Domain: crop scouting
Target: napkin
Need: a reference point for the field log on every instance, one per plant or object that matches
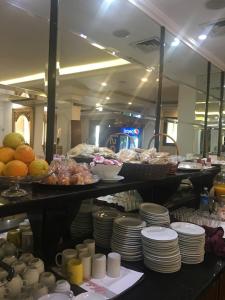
(214, 241)
(110, 287)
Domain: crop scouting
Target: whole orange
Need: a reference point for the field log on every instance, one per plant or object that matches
(6, 154)
(24, 153)
(15, 168)
(2, 167)
(38, 167)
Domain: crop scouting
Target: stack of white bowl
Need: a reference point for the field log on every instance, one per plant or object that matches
(161, 249)
(126, 238)
(154, 214)
(191, 242)
(103, 226)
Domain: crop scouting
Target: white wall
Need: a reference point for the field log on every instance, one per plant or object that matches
(5, 119)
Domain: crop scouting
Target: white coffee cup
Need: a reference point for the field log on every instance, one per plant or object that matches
(19, 266)
(9, 260)
(9, 249)
(86, 262)
(38, 264)
(26, 257)
(65, 255)
(82, 248)
(62, 286)
(113, 264)
(30, 276)
(98, 266)
(14, 286)
(48, 279)
(91, 246)
(3, 274)
(3, 292)
(39, 291)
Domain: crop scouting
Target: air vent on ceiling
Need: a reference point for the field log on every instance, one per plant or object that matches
(147, 45)
(215, 28)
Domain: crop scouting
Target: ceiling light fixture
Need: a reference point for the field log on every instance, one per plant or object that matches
(70, 70)
(104, 84)
(83, 36)
(95, 66)
(129, 103)
(202, 37)
(157, 80)
(149, 70)
(98, 46)
(144, 79)
(107, 98)
(175, 42)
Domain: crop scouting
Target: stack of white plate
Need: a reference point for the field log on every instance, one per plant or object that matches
(154, 214)
(161, 249)
(126, 238)
(103, 226)
(191, 242)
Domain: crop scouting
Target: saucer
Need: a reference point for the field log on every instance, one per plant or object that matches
(114, 179)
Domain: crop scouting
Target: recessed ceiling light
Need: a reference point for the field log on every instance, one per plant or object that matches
(157, 80)
(144, 79)
(129, 103)
(107, 98)
(98, 46)
(149, 70)
(98, 104)
(83, 36)
(202, 37)
(104, 84)
(175, 42)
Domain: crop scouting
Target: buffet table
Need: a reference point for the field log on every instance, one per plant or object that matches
(205, 281)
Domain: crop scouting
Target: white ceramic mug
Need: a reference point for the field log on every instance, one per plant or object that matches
(30, 276)
(113, 264)
(39, 291)
(26, 257)
(86, 262)
(19, 266)
(9, 249)
(91, 246)
(82, 248)
(62, 286)
(9, 260)
(3, 274)
(65, 255)
(38, 264)
(99, 266)
(14, 286)
(48, 279)
(3, 292)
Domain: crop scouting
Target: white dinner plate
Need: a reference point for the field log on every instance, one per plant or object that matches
(89, 296)
(187, 228)
(159, 233)
(58, 296)
(114, 179)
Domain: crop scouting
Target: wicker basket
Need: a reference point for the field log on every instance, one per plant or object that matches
(144, 171)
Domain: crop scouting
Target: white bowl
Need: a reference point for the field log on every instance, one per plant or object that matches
(106, 171)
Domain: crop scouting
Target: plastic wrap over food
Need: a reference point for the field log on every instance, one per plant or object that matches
(67, 172)
(83, 150)
(126, 155)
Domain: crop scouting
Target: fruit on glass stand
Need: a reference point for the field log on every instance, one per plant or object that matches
(24, 153)
(38, 167)
(15, 168)
(6, 154)
(2, 167)
(13, 140)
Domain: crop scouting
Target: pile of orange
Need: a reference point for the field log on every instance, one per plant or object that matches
(18, 158)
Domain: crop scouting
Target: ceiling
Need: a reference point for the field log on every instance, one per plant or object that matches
(24, 51)
(189, 19)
